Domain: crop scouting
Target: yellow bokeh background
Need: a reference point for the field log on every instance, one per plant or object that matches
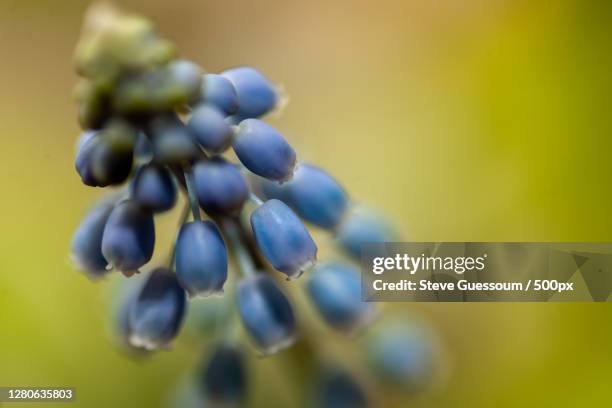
(461, 119)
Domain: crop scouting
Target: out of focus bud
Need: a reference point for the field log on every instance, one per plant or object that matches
(210, 129)
(224, 379)
(158, 311)
(143, 149)
(360, 227)
(106, 158)
(312, 193)
(184, 81)
(86, 249)
(124, 298)
(113, 42)
(402, 354)
(172, 142)
(129, 237)
(152, 187)
(337, 389)
(266, 313)
(219, 92)
(335, 290)
(94, 104)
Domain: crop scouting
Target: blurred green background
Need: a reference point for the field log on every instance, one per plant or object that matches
(463, 120)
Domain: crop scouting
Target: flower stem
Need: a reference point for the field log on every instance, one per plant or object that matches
(255, 199)
(243, 259)
(182, 220)
(193, 200)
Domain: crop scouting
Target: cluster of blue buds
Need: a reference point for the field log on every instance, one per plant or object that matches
(157, 128)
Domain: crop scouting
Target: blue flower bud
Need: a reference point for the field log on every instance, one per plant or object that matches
(363, 227)
(172, 142)
(313, 194)
(201, 258)
(335, 290)
(124, 299)
(337, 389)
(143, 150)
(282, 238)
(87, 144)
(85, 137)
(220, 187)
(266, 313)
(158, 311)
(129, 237)
(218, 91)
(402, 354)
(105, 158)
(256, 95)
(186, 77)
(153, 187)
(210, 129)
(87, 242)
(224, 379)
(264, 151)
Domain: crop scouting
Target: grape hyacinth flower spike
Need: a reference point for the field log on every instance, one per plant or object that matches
(158, 128)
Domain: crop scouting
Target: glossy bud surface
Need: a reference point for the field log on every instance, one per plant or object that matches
(264, 151)
(282, 238)
(201, 258)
